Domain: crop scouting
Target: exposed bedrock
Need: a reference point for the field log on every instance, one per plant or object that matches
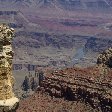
(97, 94)
(98, 44)
(105, 58)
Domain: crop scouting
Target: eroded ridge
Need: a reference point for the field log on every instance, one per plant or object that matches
(85, 85)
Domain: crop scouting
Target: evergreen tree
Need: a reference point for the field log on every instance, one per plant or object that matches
(26, 84)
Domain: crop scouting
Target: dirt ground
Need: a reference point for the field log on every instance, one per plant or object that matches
(41, 102)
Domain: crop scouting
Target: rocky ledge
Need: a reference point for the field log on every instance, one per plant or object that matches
(74, 86)
(105, 58)
(85, 85)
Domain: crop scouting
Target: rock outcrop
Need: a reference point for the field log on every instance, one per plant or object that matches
(78, 86)
(84, 85)
(8, 101)
(98, 45)
(105, 58)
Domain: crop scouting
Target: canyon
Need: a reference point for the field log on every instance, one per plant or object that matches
(43, 28)
(81, 89)
(65, 37)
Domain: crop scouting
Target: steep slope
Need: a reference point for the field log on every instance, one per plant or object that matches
(84, 4)
(51, 23)
(62, 4)
(70, 89)
(97, 45)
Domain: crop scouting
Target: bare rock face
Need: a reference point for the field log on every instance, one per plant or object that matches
(7, 98)
(84, 85)
(105, 58)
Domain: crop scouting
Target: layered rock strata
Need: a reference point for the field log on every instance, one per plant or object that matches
(83, 85)
(8, 101)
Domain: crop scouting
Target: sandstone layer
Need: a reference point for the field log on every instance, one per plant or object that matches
(7, 97)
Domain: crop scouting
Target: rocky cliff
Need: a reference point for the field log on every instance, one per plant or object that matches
(8, 101)
(56, 48)
(84, 88)
(105, 59)
(85, 85)
(60, 4)
(98, 44)
(45, 26)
